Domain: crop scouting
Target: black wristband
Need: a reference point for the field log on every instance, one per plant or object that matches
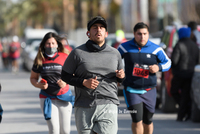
(120, 80)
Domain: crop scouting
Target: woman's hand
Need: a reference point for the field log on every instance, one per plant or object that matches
(61, 83)
(43, 86)
(34, 81)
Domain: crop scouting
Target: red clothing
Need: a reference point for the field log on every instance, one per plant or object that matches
(68, 47)
(4, 55)
(5, 51)
(1, 48)
(14, 53)
(118, 43)
(51, 71)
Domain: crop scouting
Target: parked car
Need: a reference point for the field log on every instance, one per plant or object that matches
(168, 41)
(111, 39)
(29, 53)
(32, 34)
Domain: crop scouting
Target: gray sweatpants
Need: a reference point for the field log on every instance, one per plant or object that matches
(101, 119)
(60, 116)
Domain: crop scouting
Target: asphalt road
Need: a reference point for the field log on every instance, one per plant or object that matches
(22, 114)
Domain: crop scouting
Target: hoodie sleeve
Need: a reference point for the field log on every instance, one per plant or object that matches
(164, 61)
(175, 55)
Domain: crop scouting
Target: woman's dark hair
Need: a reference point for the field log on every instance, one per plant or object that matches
(140, 25)
(48, 36)
(192, 25)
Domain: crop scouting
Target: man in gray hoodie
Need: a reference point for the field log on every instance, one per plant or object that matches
(95, 68)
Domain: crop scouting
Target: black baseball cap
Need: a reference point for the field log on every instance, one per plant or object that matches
(97, 19)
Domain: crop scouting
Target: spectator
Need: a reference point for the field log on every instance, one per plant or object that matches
(5, 53)
(194, 31)
(55, 95)
(185, 56)
(1, 48)
(66, 44)
(94, 68)
(14, 53)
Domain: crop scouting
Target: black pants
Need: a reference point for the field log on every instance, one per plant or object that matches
(180, 91)
(1, 110)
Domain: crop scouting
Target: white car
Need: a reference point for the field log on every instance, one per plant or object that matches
(32, 34)
(29, 53)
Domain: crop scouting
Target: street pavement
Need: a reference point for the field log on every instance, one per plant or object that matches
(22, 113)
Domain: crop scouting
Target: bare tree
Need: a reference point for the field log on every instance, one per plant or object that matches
(189, 11)
(114, 17)
(153, 16)
(68, 15)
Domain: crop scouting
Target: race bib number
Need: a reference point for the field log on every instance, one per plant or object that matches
(141, 71)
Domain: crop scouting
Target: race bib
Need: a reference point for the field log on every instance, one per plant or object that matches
(141, 70)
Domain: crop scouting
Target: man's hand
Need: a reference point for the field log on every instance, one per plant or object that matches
(153, 68)
(120, 73)
(91, 83)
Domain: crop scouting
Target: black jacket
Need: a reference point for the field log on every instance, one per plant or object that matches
(185, 56)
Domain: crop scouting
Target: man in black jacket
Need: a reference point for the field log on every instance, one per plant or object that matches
(185, 56)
